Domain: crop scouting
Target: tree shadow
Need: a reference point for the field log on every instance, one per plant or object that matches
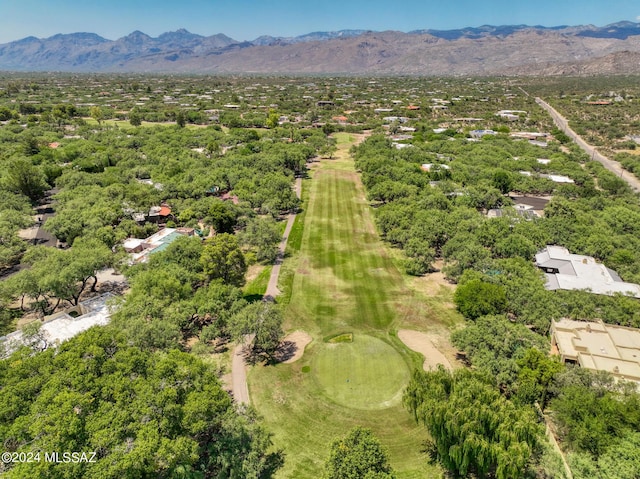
(285, 352)
(252, 298)
(253, 356)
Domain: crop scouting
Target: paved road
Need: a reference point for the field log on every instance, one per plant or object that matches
(238, 367)
(272, 287)
(613, 166)
(239, 385)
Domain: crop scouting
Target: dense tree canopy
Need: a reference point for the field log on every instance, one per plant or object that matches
(474, 428)
(144, 414)
(222, 259)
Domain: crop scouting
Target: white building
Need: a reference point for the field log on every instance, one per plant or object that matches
(577, 272)
(59, 327)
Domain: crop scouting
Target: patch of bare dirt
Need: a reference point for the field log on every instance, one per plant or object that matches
(423, 343)
(253, 271)
(432, 283)
(292, 347)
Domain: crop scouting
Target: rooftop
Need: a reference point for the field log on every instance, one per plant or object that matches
(577, 272)
(599, 346)
(59, 327)
(140, 249)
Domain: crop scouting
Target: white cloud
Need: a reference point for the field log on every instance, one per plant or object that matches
(638, 18)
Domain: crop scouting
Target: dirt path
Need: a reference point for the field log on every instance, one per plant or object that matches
(422, 343)
(613, 166)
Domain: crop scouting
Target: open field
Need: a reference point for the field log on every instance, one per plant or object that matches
(342, 279)
(125, 124)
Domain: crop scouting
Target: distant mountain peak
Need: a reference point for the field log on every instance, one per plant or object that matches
(433, 52)
(137, 34)
(180, 33)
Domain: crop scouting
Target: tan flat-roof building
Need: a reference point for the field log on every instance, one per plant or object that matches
(599, 346)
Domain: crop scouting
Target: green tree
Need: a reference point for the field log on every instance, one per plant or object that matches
(272, 119)
(263, 236)
(97, 114)
(358, 455)
(135, 119)
(145, 414)
(62, 274)
(181, 119)
(22, 177)
(477, 298)
(502, 181)
(222, 216)
(474, 428)
(515, 245)
(222, 259)
(592, 411)
(537, 371)
(420, 257)
(31, 145)
(264, 322)
(495, 345)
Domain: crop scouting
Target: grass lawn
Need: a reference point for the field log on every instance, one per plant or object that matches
(125, 124)
(366, 373)
(341, 279)
(255, 289)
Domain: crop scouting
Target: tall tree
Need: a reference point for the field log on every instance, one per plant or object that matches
(477, 298)
(474, 428)
(22, 176)
(145, 414)
(97, 114)
(263, 236)
(222, 259)
(262, 321)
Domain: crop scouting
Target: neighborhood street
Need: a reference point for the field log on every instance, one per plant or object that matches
(613, 166)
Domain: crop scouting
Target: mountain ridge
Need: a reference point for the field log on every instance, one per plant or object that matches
(487, 49)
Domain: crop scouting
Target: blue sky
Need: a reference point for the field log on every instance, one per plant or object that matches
(248, 19)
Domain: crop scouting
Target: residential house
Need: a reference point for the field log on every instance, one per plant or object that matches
(598, 346)
(481, 133)
(140, 249)
(59, 327)
(567, 271)
(159, 214)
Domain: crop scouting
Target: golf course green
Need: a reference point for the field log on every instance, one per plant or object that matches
(366, 373)
(339, 281)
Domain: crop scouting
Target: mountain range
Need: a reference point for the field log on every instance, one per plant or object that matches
(485, 50)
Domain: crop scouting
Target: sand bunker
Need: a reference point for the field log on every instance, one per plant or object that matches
(294, 345)
(421, 343)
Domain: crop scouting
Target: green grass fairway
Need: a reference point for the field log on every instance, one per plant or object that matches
(125, 124)
(340, 278)
(364, 374)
